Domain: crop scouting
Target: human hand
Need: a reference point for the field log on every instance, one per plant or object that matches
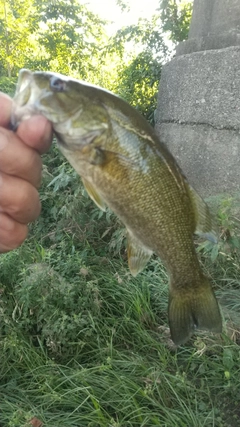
(20, 174)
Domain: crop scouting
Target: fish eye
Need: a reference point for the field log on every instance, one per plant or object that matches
(57, 84)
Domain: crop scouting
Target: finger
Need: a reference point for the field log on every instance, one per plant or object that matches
(12, 233)
(19, 199)
(5, 109)
(36, 132)
(17, 159)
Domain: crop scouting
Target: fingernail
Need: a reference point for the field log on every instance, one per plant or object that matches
(3, 141)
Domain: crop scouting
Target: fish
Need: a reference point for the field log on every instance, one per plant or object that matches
(124, 166)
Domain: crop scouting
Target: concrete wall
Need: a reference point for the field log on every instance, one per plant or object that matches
(198, 114)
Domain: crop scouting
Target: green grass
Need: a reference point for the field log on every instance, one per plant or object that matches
(84, 344)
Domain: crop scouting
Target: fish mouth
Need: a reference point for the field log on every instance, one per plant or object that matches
(24, 100)
(36, 93)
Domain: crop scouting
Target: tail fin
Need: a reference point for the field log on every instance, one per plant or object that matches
(191, 308)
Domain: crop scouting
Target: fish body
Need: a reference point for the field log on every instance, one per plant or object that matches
(124, 166)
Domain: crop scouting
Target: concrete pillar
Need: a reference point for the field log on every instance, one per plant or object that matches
(198, 114)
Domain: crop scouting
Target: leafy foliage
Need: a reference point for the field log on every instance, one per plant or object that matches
(140, 82)
(71, 35)
(176, 16)
(64, 36)
(139, 78)
(60, 35)
(8, 85)
(17, 23)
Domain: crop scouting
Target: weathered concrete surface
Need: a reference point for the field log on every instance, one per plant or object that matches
(198, 114)
(215, 24)
(212, 41)
(203, 87)
(206, 167)
(214, 16)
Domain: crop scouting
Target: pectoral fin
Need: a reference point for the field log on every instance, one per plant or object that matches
(94, 195)
(138, 255)
(204, 222)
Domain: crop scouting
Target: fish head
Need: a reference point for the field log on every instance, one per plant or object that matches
(77, 115)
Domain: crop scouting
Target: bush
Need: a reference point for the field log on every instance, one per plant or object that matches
(8, 85)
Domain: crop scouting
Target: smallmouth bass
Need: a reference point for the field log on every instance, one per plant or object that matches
(124, 165)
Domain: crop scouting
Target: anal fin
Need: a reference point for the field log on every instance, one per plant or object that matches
(204, 222)
(138, 255)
